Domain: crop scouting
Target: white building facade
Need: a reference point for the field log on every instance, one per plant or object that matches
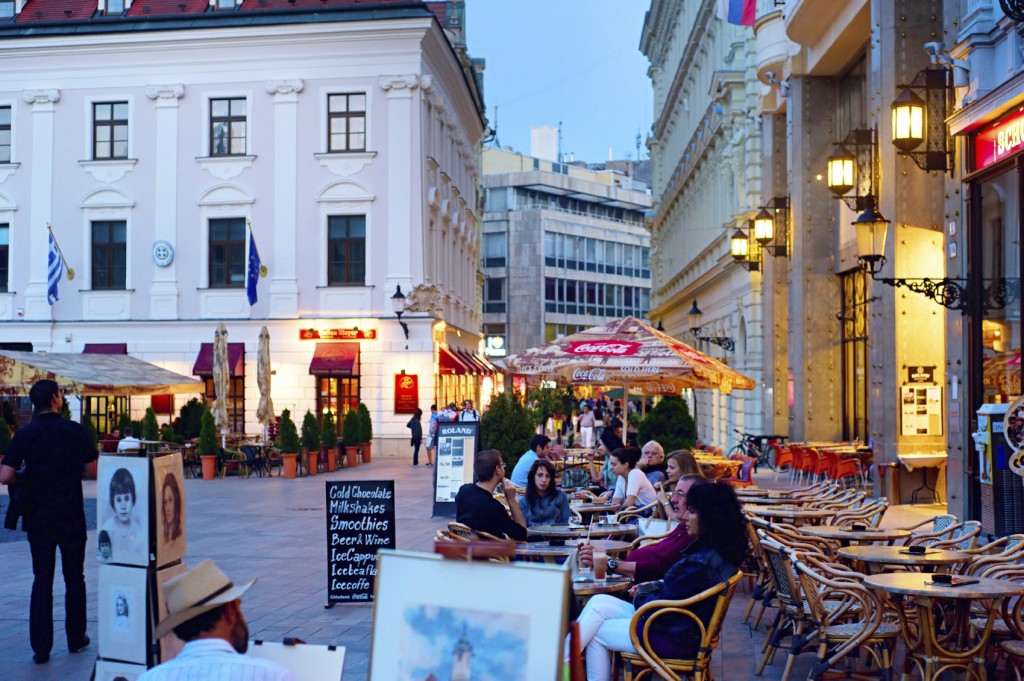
(344, 142)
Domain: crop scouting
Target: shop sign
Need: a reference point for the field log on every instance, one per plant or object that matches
(494, 346)
(610, 348)
(338, 334)
(407, 393)
(360, 521)
(999, 140)
(919, 374)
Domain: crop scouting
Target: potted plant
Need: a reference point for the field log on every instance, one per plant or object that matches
(328, 438)
(288, 443)
(150, 428)
(350, 431)
(207, 447)
(365, 432)
(310, 442)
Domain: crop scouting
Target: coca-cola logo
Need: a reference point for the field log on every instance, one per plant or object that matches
(589, 375)
(604, 347)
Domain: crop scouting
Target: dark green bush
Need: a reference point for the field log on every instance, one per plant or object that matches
(310, 432)
(208, 435)
(191, 419)
(351, 429)
(365, 424)
(507, 426)
(328, 431)
(287, 434)
(670, 424)
(150, 428)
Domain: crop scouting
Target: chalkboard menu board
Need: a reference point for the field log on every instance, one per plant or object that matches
(457, 445)
(360, 520)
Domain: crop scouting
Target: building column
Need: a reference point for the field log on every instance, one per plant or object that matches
(284, 286)
(163, 295)
(40, 202)
(400, 186)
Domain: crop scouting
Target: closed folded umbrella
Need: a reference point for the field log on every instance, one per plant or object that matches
(221, 378)
(265, 410)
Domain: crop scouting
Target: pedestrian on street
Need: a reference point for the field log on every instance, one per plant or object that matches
(432, 435)
(468, 413)
(417, 435)
(54, 452)
(204, 609)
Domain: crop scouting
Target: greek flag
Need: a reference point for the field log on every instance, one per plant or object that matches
(252, 276)
(55, 271)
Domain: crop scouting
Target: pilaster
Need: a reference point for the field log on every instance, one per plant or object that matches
(284, 287)
(399, 91)
(163, 295)
(40, 202)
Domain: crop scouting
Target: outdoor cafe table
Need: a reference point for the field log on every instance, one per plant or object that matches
(547, 553)
(770, 501)
(958, 644)
(899, 555)
(586, 510)
(756, 492)
(792, 514)
(846, 535)
(715, 467)
(596, 531)
(584, 585)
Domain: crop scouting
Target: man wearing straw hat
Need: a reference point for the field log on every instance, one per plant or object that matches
(204, 610)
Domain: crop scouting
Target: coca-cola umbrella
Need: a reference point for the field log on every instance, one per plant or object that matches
(628, 353)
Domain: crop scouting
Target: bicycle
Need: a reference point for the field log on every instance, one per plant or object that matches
(759, 447)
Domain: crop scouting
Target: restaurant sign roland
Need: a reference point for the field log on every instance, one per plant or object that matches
(360, 521)
(338, 334)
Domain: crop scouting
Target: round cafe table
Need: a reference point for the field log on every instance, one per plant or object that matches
(596, 531)
(588, 510)
(774, 501)
(899, 555)
(792, 514)
(544, 552)
(753, 492)
(584, 585)
(846, 535)
(958, 644)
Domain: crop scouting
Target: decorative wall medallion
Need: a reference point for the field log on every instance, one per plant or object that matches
(163, 253)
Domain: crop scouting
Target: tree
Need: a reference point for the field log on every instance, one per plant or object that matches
(150, 428)
(168, 434)
(365, 424)
(65, 410)
(328, 430)
(551, 401)
(506, 426)
(351, 429)
(208, 435)
(288, 435)
(310, 432)
(5, 436)
(670, 424)
(125, 422)
(191, 419)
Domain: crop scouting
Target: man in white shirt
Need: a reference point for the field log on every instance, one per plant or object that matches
(468, 413)
(204, 610)
(128, 441)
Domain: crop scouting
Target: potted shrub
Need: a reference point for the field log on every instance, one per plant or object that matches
(365, 432)
(507, 426)
(150, 428)
(207, 448)
(350, 432)
(288, 442)
(670, 423)
(328, 439)
(310, 442)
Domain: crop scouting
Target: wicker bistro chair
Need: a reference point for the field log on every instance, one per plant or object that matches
(632, 515)
(987, 558)
(794, 617)
(869, 514)
(647, 664)
(1012, 647)
(941, 528)
(848, 618)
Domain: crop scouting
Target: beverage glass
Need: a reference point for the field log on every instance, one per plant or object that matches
(600, 563)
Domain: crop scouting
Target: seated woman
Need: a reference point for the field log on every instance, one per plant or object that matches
(713, 516)
(543, 504)
(679, 463)
(632, 488)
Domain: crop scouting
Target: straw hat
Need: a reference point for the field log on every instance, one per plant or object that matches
(197, 591)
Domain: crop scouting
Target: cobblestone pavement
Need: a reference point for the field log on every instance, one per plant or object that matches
(274, 529)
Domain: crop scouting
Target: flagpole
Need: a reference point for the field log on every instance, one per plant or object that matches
(252, 235)
(71, 272)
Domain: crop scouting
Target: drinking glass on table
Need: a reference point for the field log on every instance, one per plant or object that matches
(600, 562)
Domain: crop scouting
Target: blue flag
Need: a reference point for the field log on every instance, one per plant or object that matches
(54, 272)
(252, 275)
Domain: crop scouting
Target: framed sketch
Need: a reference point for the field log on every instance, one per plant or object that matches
(443, 616)
(170, 645)
(123, 613)
(122, 507)
(169, 512)
(306, 662)
(118, 671)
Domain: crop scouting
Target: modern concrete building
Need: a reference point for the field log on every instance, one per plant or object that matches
(564, 248)
(157, 137)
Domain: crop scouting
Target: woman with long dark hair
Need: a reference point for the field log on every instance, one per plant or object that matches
(713, 516)
(543, 503)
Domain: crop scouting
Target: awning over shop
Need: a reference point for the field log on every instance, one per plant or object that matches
(481, 367)
(335, 360)
(97, 374)
(450, 363)
(204, 361)
(105, 349)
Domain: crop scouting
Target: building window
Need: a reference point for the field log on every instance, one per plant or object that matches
(5, 246)
(494, 295)
(110, 130)
(227, 253)
(105, 412)
(236, 401)
(224, 4)
(227, 126)
(5, 130)
(109, 254)
(495, 249)
(346, 249)
(854, 315)
(339, 396)
(6, 9)
(115, 7)
(346, 122)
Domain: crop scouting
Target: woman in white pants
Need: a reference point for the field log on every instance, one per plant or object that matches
(586, 425)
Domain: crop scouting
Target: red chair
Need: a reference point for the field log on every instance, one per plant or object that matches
(803, 461)
(820, 464)
(745, 476)
(783, 457)
(840, 468)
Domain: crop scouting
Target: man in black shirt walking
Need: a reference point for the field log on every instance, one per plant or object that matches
(54, 452)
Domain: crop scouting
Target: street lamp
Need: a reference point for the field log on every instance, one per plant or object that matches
(840, 171)
(871, 229)
(695, 316)
(918, 117)
(764, 227)
(739, 246)
(398, 305)
(908, 121)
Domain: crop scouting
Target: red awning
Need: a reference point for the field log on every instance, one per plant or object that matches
(105, 349)
(204, 361)
(472, 359)
(488, 367)
(335, 359)
(450, 363)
